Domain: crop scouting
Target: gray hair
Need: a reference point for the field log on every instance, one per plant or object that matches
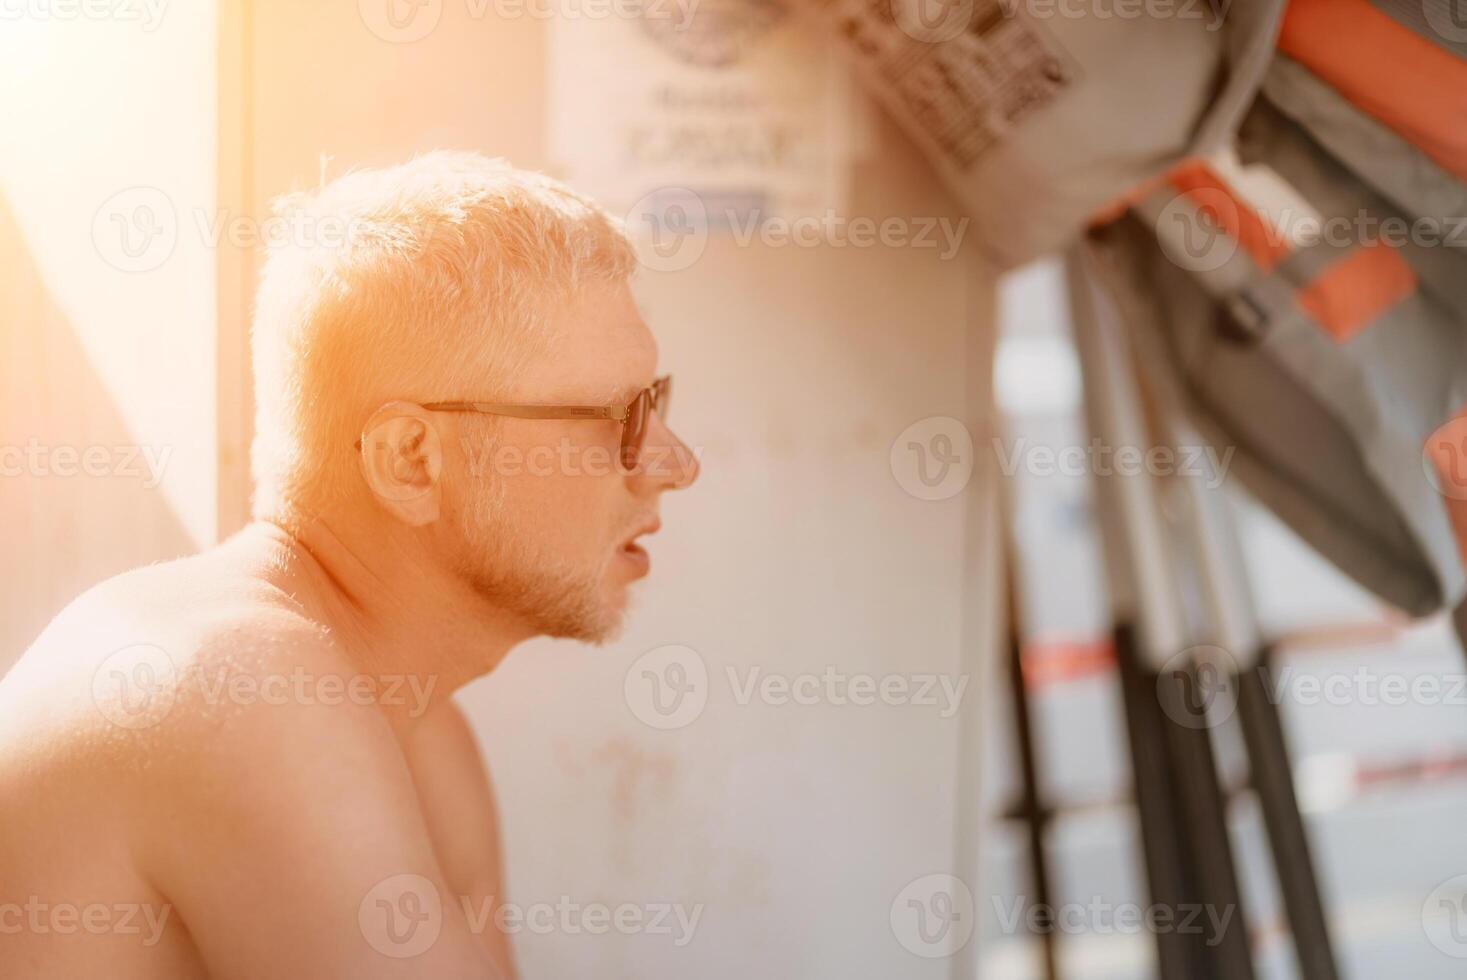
(407, 282)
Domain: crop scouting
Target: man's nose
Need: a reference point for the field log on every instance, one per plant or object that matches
(667, 461)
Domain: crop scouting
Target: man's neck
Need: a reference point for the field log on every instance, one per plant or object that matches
(403, 623)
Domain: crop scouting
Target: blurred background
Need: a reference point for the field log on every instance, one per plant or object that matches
(855, 379)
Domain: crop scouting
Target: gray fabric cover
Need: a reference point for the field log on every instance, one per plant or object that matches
(1329, 434)
(1048, 164)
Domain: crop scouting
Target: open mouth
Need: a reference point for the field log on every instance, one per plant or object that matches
(634, 554)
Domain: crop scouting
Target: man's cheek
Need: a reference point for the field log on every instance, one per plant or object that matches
(567, 511)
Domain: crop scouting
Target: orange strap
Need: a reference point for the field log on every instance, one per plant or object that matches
(1343, 299)
(1391, 73)
(1267, 246)
(1355, 289)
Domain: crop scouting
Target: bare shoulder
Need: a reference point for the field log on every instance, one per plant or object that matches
(151, 657)
(174, 683)
(248, 788)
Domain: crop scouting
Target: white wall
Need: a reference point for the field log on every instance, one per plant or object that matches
(107, 124)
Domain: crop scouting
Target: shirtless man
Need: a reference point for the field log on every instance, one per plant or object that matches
(247, 763)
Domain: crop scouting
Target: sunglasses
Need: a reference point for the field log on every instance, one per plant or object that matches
(633, 416)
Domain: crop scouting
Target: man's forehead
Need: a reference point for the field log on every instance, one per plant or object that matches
(606, 353)
(618, 374)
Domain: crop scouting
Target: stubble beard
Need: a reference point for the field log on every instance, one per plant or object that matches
(553, 597)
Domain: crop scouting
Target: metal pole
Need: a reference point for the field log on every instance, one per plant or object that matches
(1031, 806)
(1288, 840)
(1234, 617)
(1132, 561)
(1195, 869)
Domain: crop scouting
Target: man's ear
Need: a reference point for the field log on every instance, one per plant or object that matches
(402, 458)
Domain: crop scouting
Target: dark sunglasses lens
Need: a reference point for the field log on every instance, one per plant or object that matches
(634, 430)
